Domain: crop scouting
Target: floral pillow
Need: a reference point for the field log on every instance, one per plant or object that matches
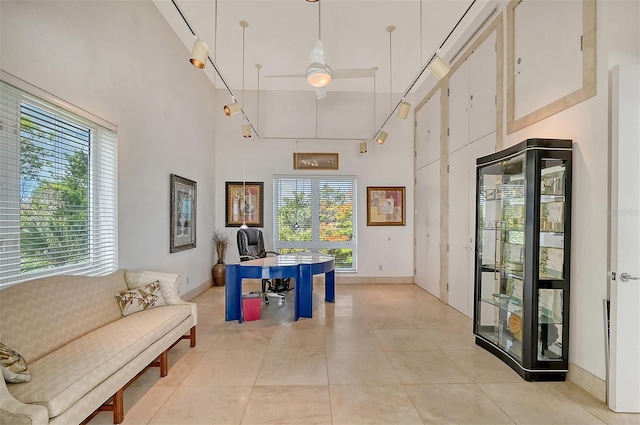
(13, 365)
(140, 299)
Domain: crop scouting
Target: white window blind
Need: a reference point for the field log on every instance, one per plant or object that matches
(316, 213)
(58, 190)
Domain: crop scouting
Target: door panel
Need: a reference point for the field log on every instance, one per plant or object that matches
(459, 108)
(459, 279)
(433, 228)
(421, 218)
(624, 372)
(482, 88)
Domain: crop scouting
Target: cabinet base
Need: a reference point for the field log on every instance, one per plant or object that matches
(527, 375)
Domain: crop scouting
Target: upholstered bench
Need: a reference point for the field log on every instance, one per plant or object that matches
(80, 350)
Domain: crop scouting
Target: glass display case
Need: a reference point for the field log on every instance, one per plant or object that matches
(521, 304)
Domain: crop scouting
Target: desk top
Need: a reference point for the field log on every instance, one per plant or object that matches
(289, 259)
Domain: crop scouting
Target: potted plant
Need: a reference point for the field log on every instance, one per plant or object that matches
(220, 242)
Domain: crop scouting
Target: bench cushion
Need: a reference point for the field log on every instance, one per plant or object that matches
(61, 378)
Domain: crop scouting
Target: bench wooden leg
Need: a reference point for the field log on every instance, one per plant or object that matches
(192, 337)
(162, 362)
(118, 406)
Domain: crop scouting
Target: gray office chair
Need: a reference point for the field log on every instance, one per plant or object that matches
(251, 247)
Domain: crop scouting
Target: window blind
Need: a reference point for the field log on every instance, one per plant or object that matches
(316, 213)
(58, 190)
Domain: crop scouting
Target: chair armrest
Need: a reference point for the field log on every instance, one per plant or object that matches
(14, 412)
(273, 253)
(169, 285)
(247, 257)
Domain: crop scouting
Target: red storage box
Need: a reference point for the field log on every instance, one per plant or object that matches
(251, 306)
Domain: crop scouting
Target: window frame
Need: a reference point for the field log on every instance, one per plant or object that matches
(316, 244)
(102, 231)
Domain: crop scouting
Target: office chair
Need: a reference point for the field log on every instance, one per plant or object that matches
(251, 247)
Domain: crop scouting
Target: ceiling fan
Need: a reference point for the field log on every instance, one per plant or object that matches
(319, 74)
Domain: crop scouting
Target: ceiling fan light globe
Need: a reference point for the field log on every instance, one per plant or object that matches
(319, 75)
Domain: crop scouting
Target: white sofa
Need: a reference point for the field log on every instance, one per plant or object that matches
(80, 351)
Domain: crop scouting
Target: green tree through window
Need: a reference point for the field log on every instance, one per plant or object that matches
(54, 190)
(316, 214)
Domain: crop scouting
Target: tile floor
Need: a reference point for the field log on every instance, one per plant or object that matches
(382, 354)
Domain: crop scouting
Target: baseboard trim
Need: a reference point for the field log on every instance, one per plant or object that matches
(588, 382)
(188, 296)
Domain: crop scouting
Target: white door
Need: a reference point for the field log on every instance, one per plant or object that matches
(624, 370)
(433, 228)
(459, 255)
(420, 229)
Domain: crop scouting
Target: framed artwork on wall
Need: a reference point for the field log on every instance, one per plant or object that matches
(315, 161)
(385, 206)
(244, 204)
(182, 227)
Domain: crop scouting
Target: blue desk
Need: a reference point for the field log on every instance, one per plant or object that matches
(299, 266)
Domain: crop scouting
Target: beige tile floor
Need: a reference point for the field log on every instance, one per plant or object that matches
(382, 354)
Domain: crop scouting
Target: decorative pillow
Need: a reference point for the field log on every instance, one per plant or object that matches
(140, 299)
(13, 365)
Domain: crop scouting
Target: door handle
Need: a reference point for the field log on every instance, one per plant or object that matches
(625, 277)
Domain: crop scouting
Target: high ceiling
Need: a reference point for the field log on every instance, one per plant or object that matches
(353, 33)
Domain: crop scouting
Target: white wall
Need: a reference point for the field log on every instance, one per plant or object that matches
(587, 124)
(122, 62)
(382, 165)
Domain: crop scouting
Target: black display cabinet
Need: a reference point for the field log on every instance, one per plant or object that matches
(523, 241)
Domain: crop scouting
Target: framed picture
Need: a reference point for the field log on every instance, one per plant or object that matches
(244, 204)
(182, 227)
(385, 206)
(315, 161)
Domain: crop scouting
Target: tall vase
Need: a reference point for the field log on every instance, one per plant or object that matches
(219, 272)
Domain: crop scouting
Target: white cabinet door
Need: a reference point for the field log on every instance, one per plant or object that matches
(459, 108)
(543, 74)
(459, 231)
(482, 89)
(433, 228)
(420, 252)
(428, 132)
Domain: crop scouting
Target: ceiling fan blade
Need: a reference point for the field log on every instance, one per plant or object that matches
(317, 51)
(284, 76)
(353, 73)
(320, 92)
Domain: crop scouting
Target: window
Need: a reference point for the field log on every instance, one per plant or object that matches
(316, 214)
(57, 190)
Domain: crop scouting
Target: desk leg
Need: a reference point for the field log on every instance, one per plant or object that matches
(330, 286)
(233, 293)
(304, 297)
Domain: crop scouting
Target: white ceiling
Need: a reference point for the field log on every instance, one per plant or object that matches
(353, 33)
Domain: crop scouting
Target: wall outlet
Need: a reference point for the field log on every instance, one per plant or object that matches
(380, 267)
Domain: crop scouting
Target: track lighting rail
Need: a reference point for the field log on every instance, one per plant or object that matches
(184, 18)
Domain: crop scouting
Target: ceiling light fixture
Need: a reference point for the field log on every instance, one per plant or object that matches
(426, 66)
(382, 137)
(403, 110)
(363, 146)
(319, 75)
(199, 54)
(438, 67)
(232, 108)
